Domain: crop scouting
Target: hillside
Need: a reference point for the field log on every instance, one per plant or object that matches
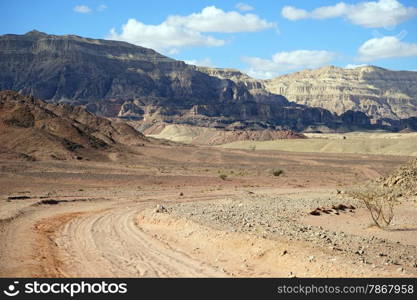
(211, 136)
(31, 129)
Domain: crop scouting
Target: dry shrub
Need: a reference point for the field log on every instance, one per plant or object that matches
(223, 176)
(379, 200)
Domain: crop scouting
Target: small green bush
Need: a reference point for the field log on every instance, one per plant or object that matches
(223, 176)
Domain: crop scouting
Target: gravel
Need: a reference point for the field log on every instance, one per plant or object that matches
(277, 217)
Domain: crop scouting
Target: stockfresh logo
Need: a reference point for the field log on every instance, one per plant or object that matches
(12, 290)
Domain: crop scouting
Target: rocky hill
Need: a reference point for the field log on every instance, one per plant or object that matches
(117, 79)
(378, 92)
(404, 178)
(32, 129)
(211, 136)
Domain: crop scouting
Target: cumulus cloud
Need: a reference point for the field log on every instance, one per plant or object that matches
(385, 47)
(102, 7)
(243, 6)
(372, 14)
(293, 13)
(162, 37)
(82, 9)
(287, 61)
(186, 31)
(213, 19)
(205, 62)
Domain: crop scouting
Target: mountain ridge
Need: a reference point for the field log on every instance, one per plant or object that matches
(117, 79)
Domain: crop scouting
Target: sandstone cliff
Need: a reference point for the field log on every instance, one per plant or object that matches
(377, 92)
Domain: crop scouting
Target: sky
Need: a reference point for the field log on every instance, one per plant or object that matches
(264, 38)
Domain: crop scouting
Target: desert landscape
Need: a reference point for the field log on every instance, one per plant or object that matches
(118, 161)
(147, 207)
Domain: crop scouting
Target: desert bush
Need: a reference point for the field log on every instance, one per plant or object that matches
(277, 172)
(223, 176)
(379, 200)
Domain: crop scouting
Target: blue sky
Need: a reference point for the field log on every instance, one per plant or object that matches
(264, 38)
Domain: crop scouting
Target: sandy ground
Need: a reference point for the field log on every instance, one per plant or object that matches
(92, 219)
(356, 143)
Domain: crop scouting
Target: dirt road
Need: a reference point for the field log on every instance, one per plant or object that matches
(109, 244)
(83, 219)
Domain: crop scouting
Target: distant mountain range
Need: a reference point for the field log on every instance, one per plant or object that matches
(377, 92)
(117, 79)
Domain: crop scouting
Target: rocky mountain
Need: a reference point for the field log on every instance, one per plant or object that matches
(117, 79)
(377, 92)
(33, 129)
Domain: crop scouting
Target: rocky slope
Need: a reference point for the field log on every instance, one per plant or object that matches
(404, 178)
(117, 79)
(32, 129)
(377, 92)
(211, 136)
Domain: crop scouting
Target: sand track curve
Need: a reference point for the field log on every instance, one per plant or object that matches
(110, 243)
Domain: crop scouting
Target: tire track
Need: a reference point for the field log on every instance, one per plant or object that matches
(110, 244)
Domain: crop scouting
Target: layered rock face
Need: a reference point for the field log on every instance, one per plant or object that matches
(117, 79)
(375, 91)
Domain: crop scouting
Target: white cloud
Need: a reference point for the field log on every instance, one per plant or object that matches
(205, 62)
(293, 13)
(186, 31)
(162, 37)
(243, 6)
(385, 47)
(287, 61)
(82, 9)
(353, 66)
(372, 14)
(102, 7)
(213, 19)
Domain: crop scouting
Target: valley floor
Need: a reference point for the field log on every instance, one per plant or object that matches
(224, 214)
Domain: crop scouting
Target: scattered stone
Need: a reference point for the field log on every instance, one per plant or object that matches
(315, 212)
(18, 197)
(360, 252)
(160, 209)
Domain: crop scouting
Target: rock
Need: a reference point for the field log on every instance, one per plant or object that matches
(340, 90)
(160, 209)
(315, 212)
(360, 252)
(341, 207)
